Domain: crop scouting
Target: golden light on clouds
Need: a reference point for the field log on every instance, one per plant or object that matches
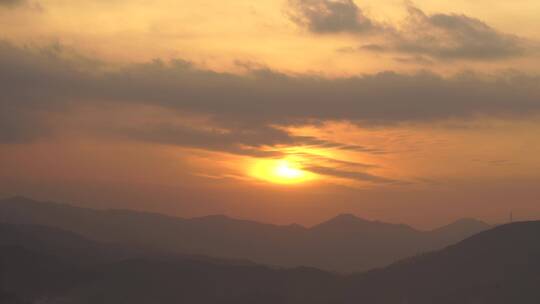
(366, 100)
(286, 171)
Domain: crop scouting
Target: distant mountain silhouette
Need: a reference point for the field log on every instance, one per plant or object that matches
(498, 266)
(345, 243)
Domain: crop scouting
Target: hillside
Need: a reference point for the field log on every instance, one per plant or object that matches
(498, 266)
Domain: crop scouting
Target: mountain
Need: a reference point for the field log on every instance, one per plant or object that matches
(501, 265)
(58, 276)
(345, 243)
(350, 243)
(498, 266)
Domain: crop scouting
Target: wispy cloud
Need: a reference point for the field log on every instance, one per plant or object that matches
(351, 175)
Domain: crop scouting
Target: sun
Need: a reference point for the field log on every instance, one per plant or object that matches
(282, 171)
(286, 171)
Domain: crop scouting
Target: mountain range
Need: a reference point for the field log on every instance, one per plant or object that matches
(51, 266)
(345, 243)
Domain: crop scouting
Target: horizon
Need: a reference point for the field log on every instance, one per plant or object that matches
(229, 217)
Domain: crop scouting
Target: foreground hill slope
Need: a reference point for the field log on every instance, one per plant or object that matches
(501, 265)
(345, 243)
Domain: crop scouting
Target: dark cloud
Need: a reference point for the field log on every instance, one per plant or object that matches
(20, 125)
(415, 59)
(330, 16)
(450, 36)
(12, 3)
(351, 175)
(256, 142)
(260, 141)
(324, 161)
(438, 36)
(247, 112)
(315, 142)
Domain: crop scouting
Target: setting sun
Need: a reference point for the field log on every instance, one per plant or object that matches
(283, 171)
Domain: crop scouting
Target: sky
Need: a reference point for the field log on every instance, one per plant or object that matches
(282, 111)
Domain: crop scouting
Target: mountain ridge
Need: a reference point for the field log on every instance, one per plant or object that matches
(337, 217)
(344, 243)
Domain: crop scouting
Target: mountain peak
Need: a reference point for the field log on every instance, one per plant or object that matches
(350, 223)
(348, 218)
(296, 226)
(343, 220)
(469, 220)
(466, 223)
(217, 217)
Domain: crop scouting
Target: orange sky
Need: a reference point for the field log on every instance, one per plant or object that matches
(278, 111)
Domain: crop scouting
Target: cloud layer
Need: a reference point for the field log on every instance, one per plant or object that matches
(437, 36)
(47, 92)
(37, 83)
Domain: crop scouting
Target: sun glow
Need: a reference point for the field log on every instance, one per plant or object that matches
(282, 171)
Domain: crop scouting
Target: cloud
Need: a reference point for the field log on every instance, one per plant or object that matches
(260, 141)
(351, 175)
(41, 87)
(437, 36)
(20, 125)
(12, 3)
(330, 16)
(449, 36)
(320, 143)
